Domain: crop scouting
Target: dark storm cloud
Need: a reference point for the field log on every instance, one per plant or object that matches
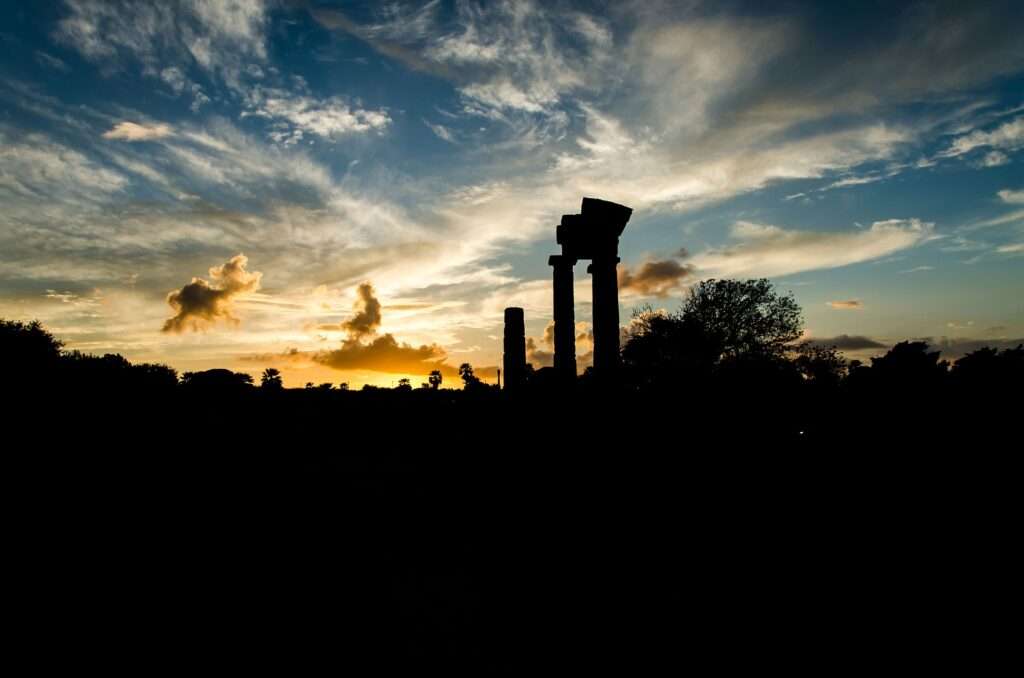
(202, 302)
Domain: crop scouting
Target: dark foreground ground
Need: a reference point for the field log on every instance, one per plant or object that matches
(399, 534)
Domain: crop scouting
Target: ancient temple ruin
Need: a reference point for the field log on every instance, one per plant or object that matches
(592, 234)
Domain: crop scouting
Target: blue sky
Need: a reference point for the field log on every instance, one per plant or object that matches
(866, 156)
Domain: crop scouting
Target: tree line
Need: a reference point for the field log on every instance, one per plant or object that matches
(725, 334)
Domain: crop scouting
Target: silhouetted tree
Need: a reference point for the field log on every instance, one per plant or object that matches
(30, 352)
(989, 368)
(154, 376)
(115, 374)
(733, 328)
(909, 363)
(743, 317)
(435, 379)
(819, 365)
(325, 386)
(469, 380)
(343, 386)
(271, 379)
(404, 385)
(217, 379)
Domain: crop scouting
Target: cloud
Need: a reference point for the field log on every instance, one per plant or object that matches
(654, 278)
(441, 132)
(179, 83)
(131, 131)
(513, 59)
(994, 159)
(767, 250)
(290, 355)
(38, 177)
(222, 37)
(326, 118)
(1008, 137)
(505, 58)
(537, 356)
(200, 302)
(852, 181)
(849, 342)
(540, 353)
(849, 304)
(919, 269)
(386, 354)
(367, 317)
(1002, 220)
(1011, 197)
(394, 35)
(383, 353)
(1012, 248)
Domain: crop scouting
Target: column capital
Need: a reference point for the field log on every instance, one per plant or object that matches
(561, 260)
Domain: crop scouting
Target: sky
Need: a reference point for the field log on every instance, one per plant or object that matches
(354, 191)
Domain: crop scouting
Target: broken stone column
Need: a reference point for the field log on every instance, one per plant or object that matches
(605, 222)
(565, 318)
(514, 359)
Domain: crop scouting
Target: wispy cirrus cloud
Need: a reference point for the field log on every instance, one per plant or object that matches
(767, 250)
(38, 169)
(1008, 136)
(218, 36)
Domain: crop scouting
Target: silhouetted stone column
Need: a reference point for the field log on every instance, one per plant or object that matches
(606, 313)
(565, 319)
(515, 348)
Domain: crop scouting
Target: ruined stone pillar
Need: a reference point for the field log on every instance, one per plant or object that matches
(515, 348)
(606, 312)
(565, 319)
